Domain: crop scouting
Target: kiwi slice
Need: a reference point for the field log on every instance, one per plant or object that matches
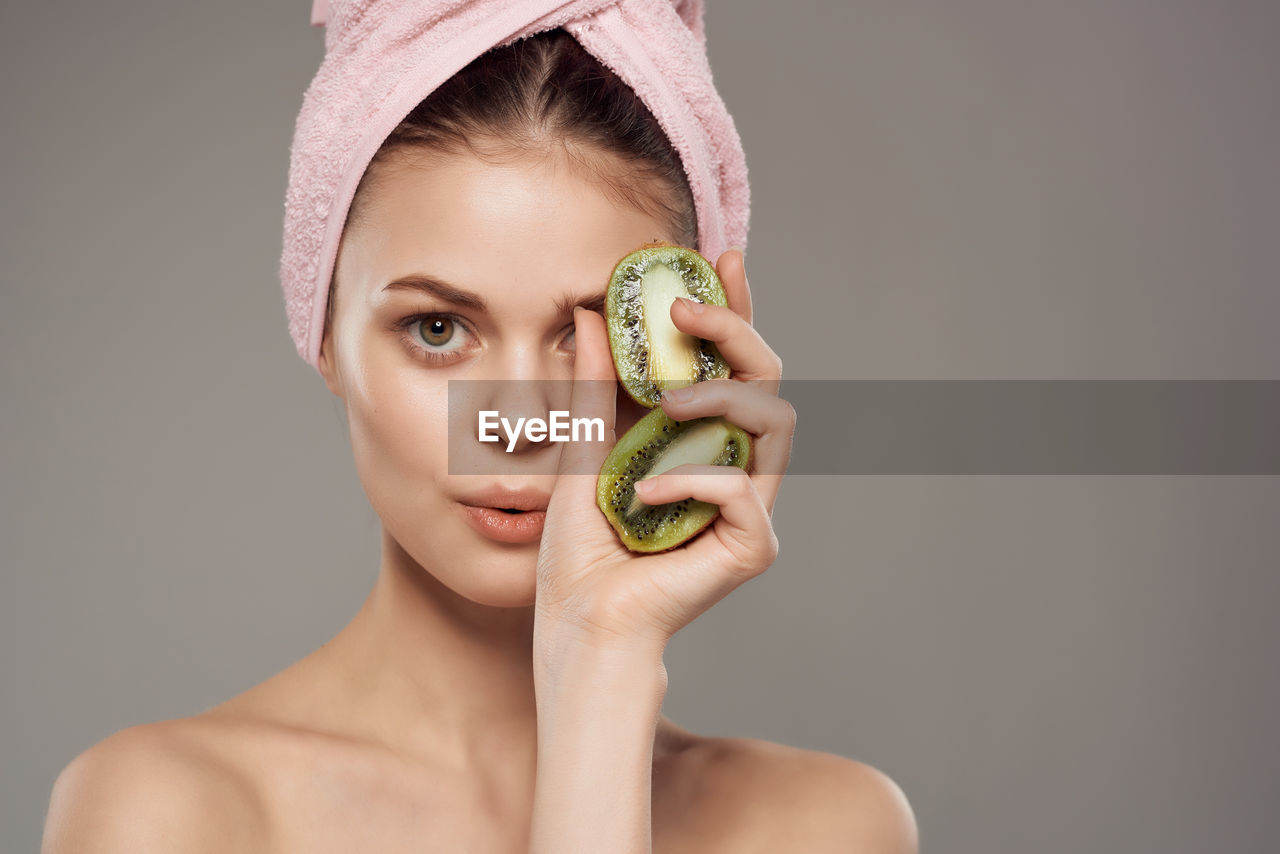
(649, 352)
(656, 444)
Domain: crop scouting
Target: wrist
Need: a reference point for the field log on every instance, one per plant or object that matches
(566, 658)
(598, 711)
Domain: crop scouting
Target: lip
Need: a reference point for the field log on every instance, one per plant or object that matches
(499, 497)
(483, 512)
(523, 527)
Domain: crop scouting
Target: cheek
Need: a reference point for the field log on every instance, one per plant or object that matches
(399, 434)
(397, 414)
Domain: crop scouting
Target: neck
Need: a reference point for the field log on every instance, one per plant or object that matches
(433, 674)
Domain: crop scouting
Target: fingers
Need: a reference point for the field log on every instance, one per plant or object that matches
(744, 528)
(732, 270)
(593, 396)
(749, 357)
(751, 406)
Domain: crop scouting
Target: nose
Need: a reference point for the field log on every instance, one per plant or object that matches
(502, 423)
(523, 409)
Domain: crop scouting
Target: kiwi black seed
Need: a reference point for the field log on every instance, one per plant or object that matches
(649, 352)
(656, 444)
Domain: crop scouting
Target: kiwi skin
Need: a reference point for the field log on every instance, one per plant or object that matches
(630, 354)
(676, 522)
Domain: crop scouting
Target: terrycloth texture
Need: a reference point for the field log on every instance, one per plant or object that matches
(384, 56)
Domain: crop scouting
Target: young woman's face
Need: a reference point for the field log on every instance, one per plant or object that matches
(509, 251)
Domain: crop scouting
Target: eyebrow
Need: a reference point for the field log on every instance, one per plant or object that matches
(566, 305)
(439, 288)
(458, 296)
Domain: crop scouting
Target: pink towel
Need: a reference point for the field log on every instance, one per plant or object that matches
(384, 56)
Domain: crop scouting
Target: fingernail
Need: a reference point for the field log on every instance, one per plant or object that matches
(643, 486)
(678, 395)
(693, 305)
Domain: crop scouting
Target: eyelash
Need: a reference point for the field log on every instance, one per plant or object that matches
(433, 357)
(425, 354)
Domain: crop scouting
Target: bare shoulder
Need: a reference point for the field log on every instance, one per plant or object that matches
(796, 799)
(151, 787)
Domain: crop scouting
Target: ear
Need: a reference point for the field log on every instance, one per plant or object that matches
(329, 365)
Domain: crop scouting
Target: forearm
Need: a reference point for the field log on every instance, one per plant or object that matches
(597, 715)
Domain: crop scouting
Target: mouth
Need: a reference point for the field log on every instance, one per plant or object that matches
(505, 514)
(510, 511)
(505, 524)
(507, 500)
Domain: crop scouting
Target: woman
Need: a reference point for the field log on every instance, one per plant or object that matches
(501, 687)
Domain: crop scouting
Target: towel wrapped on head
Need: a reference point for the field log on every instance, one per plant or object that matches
(382, 57)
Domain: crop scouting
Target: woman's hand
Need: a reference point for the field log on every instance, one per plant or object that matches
(589, 586)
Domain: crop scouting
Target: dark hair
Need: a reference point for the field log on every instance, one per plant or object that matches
(538, 95)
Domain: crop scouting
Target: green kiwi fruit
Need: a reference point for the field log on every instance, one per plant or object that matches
(649, 352)
(655, 444)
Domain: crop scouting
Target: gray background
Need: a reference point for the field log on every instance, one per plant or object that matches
(942, 190)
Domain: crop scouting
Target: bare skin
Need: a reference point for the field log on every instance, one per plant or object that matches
(415, 728)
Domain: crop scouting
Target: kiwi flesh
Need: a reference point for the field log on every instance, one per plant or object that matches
(657, 444)
(650, 354)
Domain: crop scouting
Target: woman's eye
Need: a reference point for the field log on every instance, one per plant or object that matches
(439, 333)
(570, 342)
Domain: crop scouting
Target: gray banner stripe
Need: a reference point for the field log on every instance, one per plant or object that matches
(1118, 427)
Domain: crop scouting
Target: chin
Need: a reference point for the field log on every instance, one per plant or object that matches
(500, 581)
(498, 575)
(494, 575)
